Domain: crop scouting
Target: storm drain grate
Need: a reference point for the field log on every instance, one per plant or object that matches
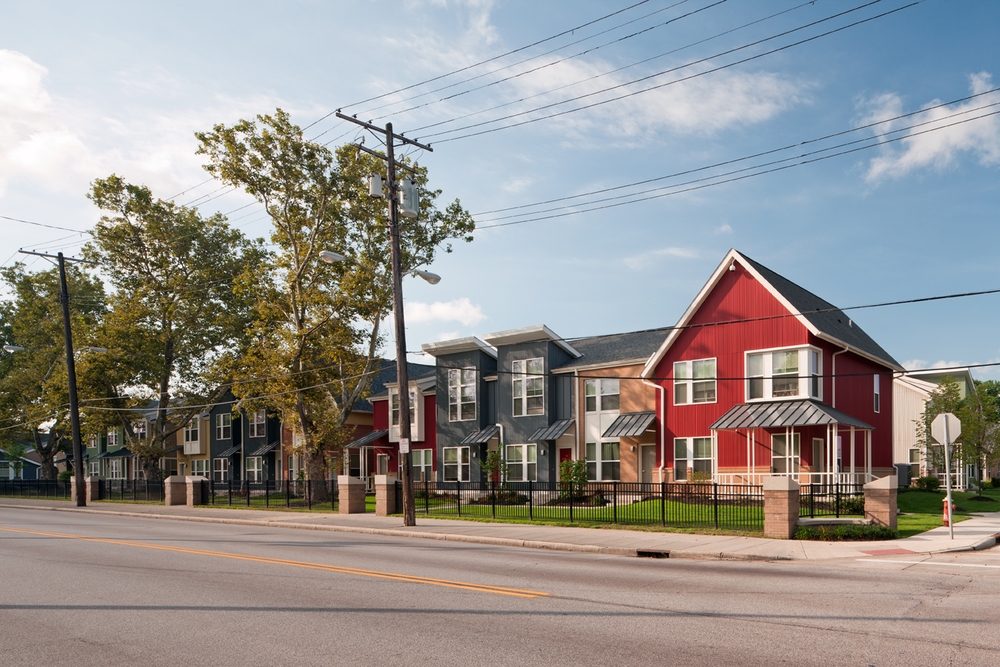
(649, 553)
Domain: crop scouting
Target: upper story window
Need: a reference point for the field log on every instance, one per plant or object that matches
(529, 387)
(394, 401)
(139, 428)
(224, 426)
(786, 373)
(694, 381)
(461, 394)
(113, 438)
(191, 431)
(601, 395)
(258, 424)
(878, 395)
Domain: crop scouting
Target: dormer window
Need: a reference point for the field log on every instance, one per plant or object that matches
(528, 387)
(784, 373)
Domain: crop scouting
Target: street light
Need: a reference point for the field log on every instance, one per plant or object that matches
(331, 257)
(13, 348)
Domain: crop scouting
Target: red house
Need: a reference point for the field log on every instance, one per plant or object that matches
(761, 377)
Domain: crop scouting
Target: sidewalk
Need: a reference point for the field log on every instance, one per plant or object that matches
(976, 533)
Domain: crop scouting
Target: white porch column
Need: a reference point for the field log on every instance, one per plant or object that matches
(853, 478)
(868, 456)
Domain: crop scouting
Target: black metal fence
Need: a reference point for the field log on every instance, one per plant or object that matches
(721, 506)
(133, 490)
(836, 500)
(304, 494)
(34, 488)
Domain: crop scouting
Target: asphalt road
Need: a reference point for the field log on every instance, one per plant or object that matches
(92, 590)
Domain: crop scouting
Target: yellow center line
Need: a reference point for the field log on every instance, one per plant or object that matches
(409, 578)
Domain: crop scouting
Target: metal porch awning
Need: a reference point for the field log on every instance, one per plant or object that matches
(229, 452)
(481, 437)
(178, 448)
(552, 431)
(784, 414)
(265, 449)
(117, 454)
(368, 438)
(629, 425)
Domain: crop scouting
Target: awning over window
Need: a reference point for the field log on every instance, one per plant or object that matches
(368, 438)
(265, 449)
(229, 452)
(629, 425)
(782, 414)
(552, 431)
(481, 437)
(117, 454)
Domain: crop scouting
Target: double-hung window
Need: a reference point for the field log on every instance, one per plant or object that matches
(221, 472)
(692, 459)
(522, 463)
(601, 395)
(191, 431)
(878, 394)
(694, 381)
(139, 429)
(423, 465)
(784, 454)
(258, 424)
(394, 400)
(456, 464)
(528, 387)
(199, 467)
(786, 373)
(603, 461)
(255, 468)
(113, 438)
(224, 426)
(95, 468)
(461, 394)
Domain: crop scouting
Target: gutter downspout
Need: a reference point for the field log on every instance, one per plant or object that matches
(663, 420)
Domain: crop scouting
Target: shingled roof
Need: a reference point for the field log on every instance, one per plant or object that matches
(599, 350)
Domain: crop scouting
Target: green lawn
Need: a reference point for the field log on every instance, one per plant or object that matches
(922, 510)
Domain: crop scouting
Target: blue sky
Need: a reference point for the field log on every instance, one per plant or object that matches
(87, 89)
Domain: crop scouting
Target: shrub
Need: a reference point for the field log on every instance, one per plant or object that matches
(572, 479)
(65, 475)
(701, 477)
(852, 505)
(845, 532)
(928, 483)
(995, 482)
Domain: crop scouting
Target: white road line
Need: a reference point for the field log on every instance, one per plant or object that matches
(924, 562)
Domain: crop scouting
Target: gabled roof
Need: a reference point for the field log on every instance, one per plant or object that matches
(635, 346)
(537, 332)
(387, 375)
(820, 317)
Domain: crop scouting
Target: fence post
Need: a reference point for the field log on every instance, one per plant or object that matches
(614, 501)
(836, 492)
(531, 501)
(458, 497)
(493, 498)
(715, 503)
(571, 501)
(309, 503)
(812, 502)
(427, 496)
(267, 495)
(663, 503)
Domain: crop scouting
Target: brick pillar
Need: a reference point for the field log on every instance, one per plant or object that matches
(193, 486)
(92, 485)
(352, 494)
(781, 507)
(175, 490)
(880, 501)
(385, 495)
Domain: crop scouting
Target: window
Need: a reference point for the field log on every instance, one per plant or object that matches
(461, 394)
(456, 464)
(6, 472)
(694, 455)
(95, 468)
(603, 462)
(423, 465)
(92, 443)
(601, 395)
(139, 428)
(529, 387)
(791, 373)
(191, 431)
(914, 463)
(382, 464)
(784, 456)
(115, 469)
(221, 471)
(113, 438)
(258, 424)
(878, 395)
(394, 399)
(694, 381)
(255, 468)
(199, 467)
(522, 463)
(224, 426)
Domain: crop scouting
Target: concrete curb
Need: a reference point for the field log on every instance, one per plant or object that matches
(986, 543)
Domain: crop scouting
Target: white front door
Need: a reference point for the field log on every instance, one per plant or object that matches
(647, 459)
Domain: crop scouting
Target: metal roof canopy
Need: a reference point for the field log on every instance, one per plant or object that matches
(629, 425)
(369, 438)
(481, 437)
(552, 431)
(117, 454)
(264, 449)
(229, 452)
(782, 414)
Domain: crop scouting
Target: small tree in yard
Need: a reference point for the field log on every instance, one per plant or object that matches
(14, 452)
(572, 479)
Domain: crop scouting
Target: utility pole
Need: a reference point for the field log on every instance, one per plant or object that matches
(74, 406)
(402, 377)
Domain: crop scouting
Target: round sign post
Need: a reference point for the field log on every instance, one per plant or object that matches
(945, 429)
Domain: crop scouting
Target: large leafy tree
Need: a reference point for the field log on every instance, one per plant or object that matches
(318, 333)
(33, 384)
(175, 312)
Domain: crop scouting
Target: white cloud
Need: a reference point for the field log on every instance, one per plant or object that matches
(914, 364)
(922, 364)
(937, 149)
(646, 259)
(460, 310)
(724, 228)
(447, 335)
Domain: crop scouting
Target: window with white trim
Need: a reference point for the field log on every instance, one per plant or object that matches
(139, 429)
(461, 394)
(221, 470)
(95, 468)
(692, 459)
(255, 468)
(784, 455)
(113, 437)
(522, 463)
(200, 467)
(423, 465)
(878, 394)
(603, 461)
(258, 424)
(786, 373)
(115, 468)
(191, 431)
(914, 463)
(394, 401)
(601, 395)
(456, 464)
(694, 381)
(528, 382)
(224, 426)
